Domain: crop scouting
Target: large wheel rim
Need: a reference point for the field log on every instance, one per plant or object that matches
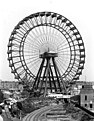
(42, 32)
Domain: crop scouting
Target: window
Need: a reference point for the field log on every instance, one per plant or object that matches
(91, 105)
(82, 86)
(85, 105)
(85, 97)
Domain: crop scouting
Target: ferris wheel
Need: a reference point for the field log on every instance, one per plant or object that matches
(46, 41)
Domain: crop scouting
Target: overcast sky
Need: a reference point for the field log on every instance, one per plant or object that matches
(80, 12)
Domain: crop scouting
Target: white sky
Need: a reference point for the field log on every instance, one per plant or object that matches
(80, 12)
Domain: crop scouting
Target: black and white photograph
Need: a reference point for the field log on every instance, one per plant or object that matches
(47, 60)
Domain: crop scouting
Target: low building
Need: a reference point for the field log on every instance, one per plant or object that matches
(87, 97)
(8, 85)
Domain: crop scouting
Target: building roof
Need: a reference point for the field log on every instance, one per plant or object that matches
(87, 89)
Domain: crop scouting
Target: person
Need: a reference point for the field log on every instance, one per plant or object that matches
(19, 105)
(1, 118)
(1, 96)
